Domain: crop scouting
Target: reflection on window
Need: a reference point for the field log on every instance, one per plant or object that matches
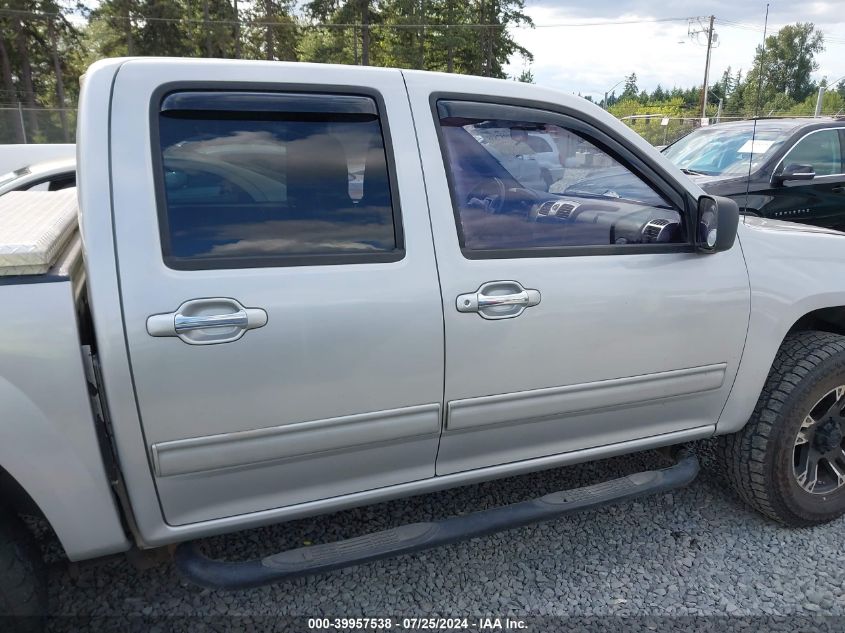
(523, 185)
(821, 150)
(256, 187)
(715, 151)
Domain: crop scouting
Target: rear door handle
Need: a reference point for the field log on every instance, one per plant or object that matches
(838, 190)
(498, 300)
(182, 323)
(207, 321)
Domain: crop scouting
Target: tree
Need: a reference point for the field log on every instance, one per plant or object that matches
(658, 94)
(631, 91)
(526, 76)
(788, 60)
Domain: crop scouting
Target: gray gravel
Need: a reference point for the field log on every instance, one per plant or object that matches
(695, 552)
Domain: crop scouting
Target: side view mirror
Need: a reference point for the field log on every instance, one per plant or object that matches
(716, 222)
(794, 171)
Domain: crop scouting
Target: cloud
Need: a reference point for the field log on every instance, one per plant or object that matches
(590, 59)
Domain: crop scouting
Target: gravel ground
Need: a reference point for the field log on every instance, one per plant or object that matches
(683, 560)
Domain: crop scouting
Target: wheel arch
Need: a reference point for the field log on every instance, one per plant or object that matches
(829, 319)
(14, 496)
(766, 336)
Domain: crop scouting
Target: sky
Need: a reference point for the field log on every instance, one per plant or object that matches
(589, 59)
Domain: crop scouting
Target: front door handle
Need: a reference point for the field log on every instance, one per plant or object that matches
(498, 300)
(207, 321)
(838, 190)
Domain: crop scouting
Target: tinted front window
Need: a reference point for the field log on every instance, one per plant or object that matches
(821, 150)
(262, 185)
(521, 184)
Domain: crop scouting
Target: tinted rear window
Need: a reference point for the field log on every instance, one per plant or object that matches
(303, 182)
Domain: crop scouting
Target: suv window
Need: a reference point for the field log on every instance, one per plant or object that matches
(511, 192)
(820, 149)
(263, 179)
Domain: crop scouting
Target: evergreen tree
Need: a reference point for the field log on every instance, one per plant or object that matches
(631, 91)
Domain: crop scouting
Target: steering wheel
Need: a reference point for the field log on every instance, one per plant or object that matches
(489, 194)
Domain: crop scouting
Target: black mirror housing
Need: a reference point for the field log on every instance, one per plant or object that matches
(794, 171)
(716, 222)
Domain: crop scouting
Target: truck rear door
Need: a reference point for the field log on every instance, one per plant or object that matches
(280, 296)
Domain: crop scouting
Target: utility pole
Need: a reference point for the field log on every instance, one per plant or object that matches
(693, 34)
(608, 91)
(819, 102)
(707, 69)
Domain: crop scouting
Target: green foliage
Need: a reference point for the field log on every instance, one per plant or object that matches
(526, 76)
(631, 91)
(788, 60)
(43, 52)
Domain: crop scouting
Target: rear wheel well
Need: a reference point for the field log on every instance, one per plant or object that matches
(824, 319)
(15, 497)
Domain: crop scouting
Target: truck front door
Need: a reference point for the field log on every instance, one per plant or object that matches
(280, 297)
(574, 319)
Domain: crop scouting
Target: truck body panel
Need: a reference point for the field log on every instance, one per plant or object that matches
(794, 270)
(48, 442)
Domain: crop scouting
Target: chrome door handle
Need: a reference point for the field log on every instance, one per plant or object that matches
(182, 323)
(207, 321)
(516, 299)
(498, 300)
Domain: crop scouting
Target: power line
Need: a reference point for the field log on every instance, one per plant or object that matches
(756, 29)
(611, 22)
(144, 18)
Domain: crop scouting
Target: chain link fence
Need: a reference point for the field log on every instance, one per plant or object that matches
(659, 130)
(21, 124)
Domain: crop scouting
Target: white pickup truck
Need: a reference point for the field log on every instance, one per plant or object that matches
(299, 288)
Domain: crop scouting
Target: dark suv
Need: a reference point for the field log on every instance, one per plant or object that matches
(797, 168)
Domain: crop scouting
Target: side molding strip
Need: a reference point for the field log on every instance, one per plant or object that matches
(558, 401)
(243, 448)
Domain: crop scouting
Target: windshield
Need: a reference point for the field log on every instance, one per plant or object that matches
(725, 151)
(12, 175)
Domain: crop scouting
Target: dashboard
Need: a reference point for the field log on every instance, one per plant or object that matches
(624, 222)
(494, 217)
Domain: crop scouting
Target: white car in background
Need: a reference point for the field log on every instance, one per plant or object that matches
(52, 175)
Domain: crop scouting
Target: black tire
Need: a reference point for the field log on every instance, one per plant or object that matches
(23, 583)
(758, 460)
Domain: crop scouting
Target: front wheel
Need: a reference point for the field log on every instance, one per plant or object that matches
(788, 462)
(23, 586)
